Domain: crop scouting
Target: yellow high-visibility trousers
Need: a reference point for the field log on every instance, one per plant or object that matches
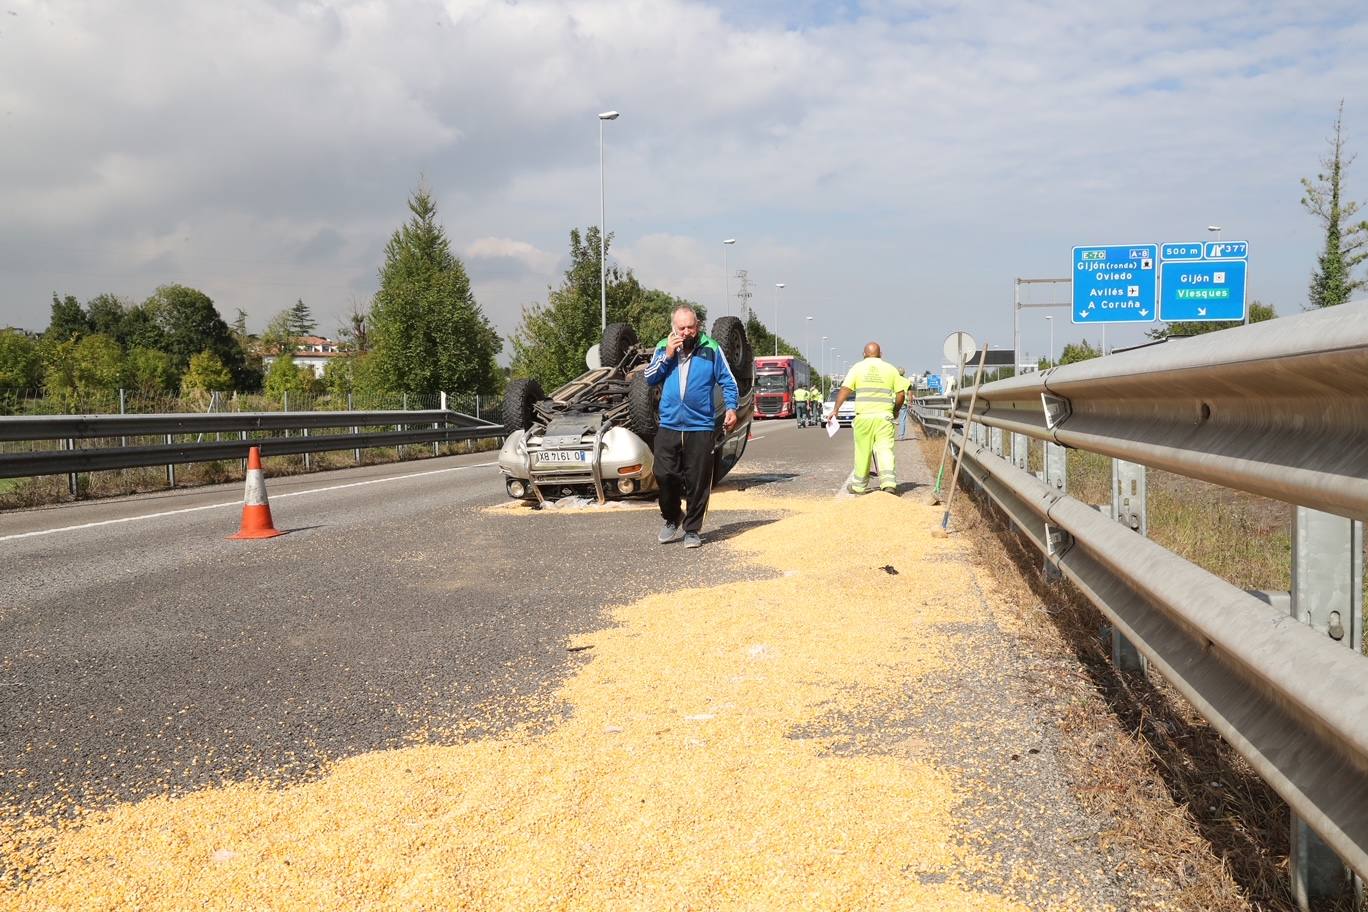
(874, 437)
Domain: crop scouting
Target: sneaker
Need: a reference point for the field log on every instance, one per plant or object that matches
(692, 540)
(669, 533)
(856, 489)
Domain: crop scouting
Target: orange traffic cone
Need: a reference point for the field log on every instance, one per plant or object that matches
(256, 512)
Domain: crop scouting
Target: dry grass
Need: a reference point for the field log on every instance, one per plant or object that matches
(1175, 791)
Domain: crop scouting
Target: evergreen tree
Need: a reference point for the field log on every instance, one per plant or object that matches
(426, 331)
(302, 322)
(68, 321)
(1346, 241)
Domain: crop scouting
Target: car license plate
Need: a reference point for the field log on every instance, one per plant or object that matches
(562, 456)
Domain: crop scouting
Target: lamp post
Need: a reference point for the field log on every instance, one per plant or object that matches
(807, 339)
(726, 279)
(777, 286)
(1216, 229)
(1051, 319)
(824, 366)
(603, 229)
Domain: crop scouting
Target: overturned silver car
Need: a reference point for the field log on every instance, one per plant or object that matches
(593, 437)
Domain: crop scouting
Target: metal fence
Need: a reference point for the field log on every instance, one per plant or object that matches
(1278, 409)
(35, 444)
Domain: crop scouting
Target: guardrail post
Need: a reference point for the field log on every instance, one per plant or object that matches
(1327, 595)
(123, 441)
(170, 467)
(436, 425)
(1056, 474)
(308, 463)
(356, 429)
(396, 427)
(995, 441)
(1128, 508)
(73, 478)
(1021, 451)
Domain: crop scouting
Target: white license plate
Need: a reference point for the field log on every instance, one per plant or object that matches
(562, 456)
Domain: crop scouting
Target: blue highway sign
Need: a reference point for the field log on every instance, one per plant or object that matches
(1188, 251)
(1205, 290)
(1227, 250)
(1115, 284)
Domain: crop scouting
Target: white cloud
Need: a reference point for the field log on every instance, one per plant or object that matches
(895, 163)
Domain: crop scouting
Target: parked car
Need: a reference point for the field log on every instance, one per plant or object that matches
(594, 435)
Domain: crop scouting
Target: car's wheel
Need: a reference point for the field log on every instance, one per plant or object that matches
(643, 409)
(519, 399)
(618, 340)
(730, 335)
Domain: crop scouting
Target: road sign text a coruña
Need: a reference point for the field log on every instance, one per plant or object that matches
(1115, 284)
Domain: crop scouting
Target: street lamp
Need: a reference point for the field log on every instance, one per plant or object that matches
(1050, 317)
(807, 339)
(777, 286)
(603, 229)
(1216, 229)
(726, 279)
(824, 366)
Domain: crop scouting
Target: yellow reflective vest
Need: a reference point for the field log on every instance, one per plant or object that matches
(800, 395)
(876, 384)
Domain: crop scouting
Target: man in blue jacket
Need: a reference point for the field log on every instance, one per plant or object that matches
(687, 366)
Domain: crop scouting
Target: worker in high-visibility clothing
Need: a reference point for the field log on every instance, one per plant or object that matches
(879, 391)
(800, 405)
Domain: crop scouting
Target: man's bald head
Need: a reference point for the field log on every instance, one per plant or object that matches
(872, 350)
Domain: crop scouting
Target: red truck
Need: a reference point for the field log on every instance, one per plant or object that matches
(775, 380)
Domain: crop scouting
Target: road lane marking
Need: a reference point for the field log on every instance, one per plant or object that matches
(238, 502)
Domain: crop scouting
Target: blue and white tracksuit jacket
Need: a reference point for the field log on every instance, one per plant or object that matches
(692, 408)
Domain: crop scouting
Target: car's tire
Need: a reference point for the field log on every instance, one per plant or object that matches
(730, 335)
(618, 340)
(519, 399)
(643, 409)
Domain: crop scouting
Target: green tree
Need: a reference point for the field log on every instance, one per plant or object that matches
(139, 328)
(302, 322)
(20, 364)
(192, 325)
(95, 362)
(1258, 312)
(1346, 240)
(355, 334)
(149, 370)
(105, 314)
(284, 376)
(206, 372)
(68, 319)
(553, 338)
(1078, 351)
(762, 340)
(279, 336)
(426, 331)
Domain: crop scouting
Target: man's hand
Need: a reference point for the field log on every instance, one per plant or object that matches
(674, 344)
(729, 420)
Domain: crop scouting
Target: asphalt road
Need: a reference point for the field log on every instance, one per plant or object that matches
(143, 653)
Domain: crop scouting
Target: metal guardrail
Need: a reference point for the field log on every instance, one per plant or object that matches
(425, 426)
(1278, 409)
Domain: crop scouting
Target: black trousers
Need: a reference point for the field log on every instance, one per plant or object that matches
(684, 468)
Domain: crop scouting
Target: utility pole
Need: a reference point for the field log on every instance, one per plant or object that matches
(743, 293)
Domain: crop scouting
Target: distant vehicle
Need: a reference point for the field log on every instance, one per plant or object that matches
(775, 380)
(593, 436)
(847, 416)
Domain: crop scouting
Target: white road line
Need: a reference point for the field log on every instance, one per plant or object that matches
(238, 502)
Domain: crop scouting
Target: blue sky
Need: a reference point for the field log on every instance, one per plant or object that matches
(896, 164)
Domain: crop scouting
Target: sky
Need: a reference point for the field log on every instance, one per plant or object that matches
(897, 165)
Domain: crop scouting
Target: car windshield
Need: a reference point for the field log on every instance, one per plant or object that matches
(771, 382)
